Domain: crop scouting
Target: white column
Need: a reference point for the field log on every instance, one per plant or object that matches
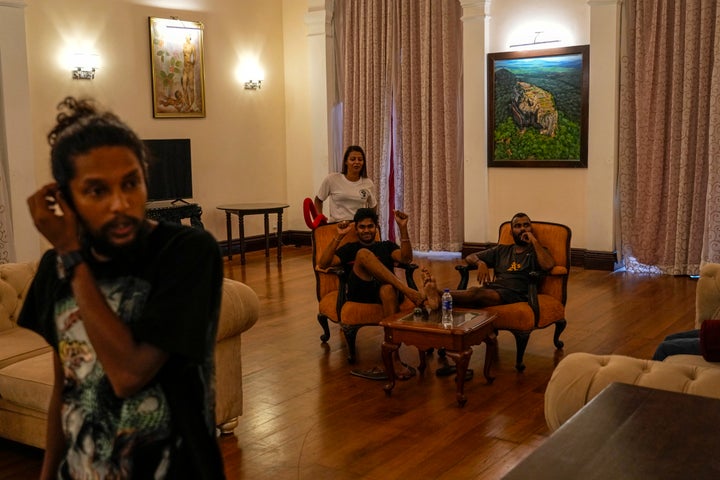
(603, 134)
(475, 20)
(16, 127)
(321, 83)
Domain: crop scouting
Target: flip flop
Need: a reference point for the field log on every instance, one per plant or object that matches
(374, 373)
(448, 370)
(411, 372)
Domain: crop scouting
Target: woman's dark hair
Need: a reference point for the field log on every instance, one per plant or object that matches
(354, 148)
(81, 127)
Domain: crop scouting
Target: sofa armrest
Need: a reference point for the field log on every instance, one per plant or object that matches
(239, 309)
(579, 377)
(707, 294)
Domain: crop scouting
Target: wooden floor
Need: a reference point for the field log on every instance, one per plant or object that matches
(306, 417)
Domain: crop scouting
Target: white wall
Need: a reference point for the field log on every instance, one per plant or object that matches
(238, 148)
(15, 137)
(265, 145)
(580, 198)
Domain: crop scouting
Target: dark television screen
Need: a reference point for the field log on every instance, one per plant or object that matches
(169, 169)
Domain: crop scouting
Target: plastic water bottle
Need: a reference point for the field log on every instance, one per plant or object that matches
(447, 304)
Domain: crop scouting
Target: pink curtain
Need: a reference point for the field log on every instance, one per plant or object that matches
(7, 250)
(401, 72)
(669, 163)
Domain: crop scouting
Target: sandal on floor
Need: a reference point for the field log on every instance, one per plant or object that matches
(447, 370)
(374, 373)
(411, 372)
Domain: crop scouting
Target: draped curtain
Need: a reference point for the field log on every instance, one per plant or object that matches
(401, 72)
(6, 237)
(7, 250)
(669, 139)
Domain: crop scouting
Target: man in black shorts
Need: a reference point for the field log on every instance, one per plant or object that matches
(370, 262)
(512, 265)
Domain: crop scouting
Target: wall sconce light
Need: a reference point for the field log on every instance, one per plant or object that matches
(535, 41)
(253, 85)
(84, 66)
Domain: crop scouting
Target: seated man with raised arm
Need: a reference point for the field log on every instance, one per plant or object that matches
(370, 263)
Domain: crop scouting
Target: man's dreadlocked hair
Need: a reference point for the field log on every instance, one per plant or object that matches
(81, 127)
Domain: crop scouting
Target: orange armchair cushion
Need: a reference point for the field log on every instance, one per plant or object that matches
(519, 316)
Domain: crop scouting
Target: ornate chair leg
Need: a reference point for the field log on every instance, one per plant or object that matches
(559, 327)
(323, 320)
(228, 428)
(521, 341)
(350, 332)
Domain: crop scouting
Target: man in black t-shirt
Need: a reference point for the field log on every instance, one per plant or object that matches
(370, 263)
(511, 265)
(130, 307)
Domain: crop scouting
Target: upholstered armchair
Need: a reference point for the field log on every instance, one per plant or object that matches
(547, 292)
(331, 292)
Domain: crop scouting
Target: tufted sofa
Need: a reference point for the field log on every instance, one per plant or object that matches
(26, 370)
(581, 376)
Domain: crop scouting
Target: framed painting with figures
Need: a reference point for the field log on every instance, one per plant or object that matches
(538, 108)
(177, 68)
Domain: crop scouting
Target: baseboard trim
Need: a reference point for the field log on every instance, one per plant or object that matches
(579, 257)
(257, 242)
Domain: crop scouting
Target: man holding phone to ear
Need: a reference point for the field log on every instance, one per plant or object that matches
(130, 307)
(511, 264)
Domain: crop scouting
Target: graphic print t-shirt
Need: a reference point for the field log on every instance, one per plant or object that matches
(511, 270)
(142, 436)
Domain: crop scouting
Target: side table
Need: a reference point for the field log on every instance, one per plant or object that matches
(242, 209)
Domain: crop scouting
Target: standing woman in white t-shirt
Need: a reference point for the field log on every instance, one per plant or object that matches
(348, 190)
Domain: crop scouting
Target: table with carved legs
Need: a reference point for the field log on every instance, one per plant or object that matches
(425, 332)
(242, 209)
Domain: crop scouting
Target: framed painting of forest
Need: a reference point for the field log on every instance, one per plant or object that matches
(177, 68)
(538, 108)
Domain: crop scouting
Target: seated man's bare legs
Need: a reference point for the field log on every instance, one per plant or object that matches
(367, 267)
(431, 289)
(473, 297)
(389, 299)
(476, 297)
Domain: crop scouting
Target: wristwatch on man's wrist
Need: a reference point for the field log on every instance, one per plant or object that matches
(66, 263)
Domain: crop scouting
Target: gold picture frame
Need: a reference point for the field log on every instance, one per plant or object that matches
(177, 68)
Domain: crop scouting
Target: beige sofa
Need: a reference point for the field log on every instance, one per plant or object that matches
(581, 376)
(26, 372)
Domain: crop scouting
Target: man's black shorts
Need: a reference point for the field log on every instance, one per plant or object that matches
(507, 295)
(363, 291)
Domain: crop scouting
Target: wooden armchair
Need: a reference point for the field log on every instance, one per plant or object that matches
(547, 293)
(331, 289)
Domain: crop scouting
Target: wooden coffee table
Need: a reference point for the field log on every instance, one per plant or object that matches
(425, 332)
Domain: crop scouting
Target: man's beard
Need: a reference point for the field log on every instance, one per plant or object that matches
(519, 241)
(101, 244)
